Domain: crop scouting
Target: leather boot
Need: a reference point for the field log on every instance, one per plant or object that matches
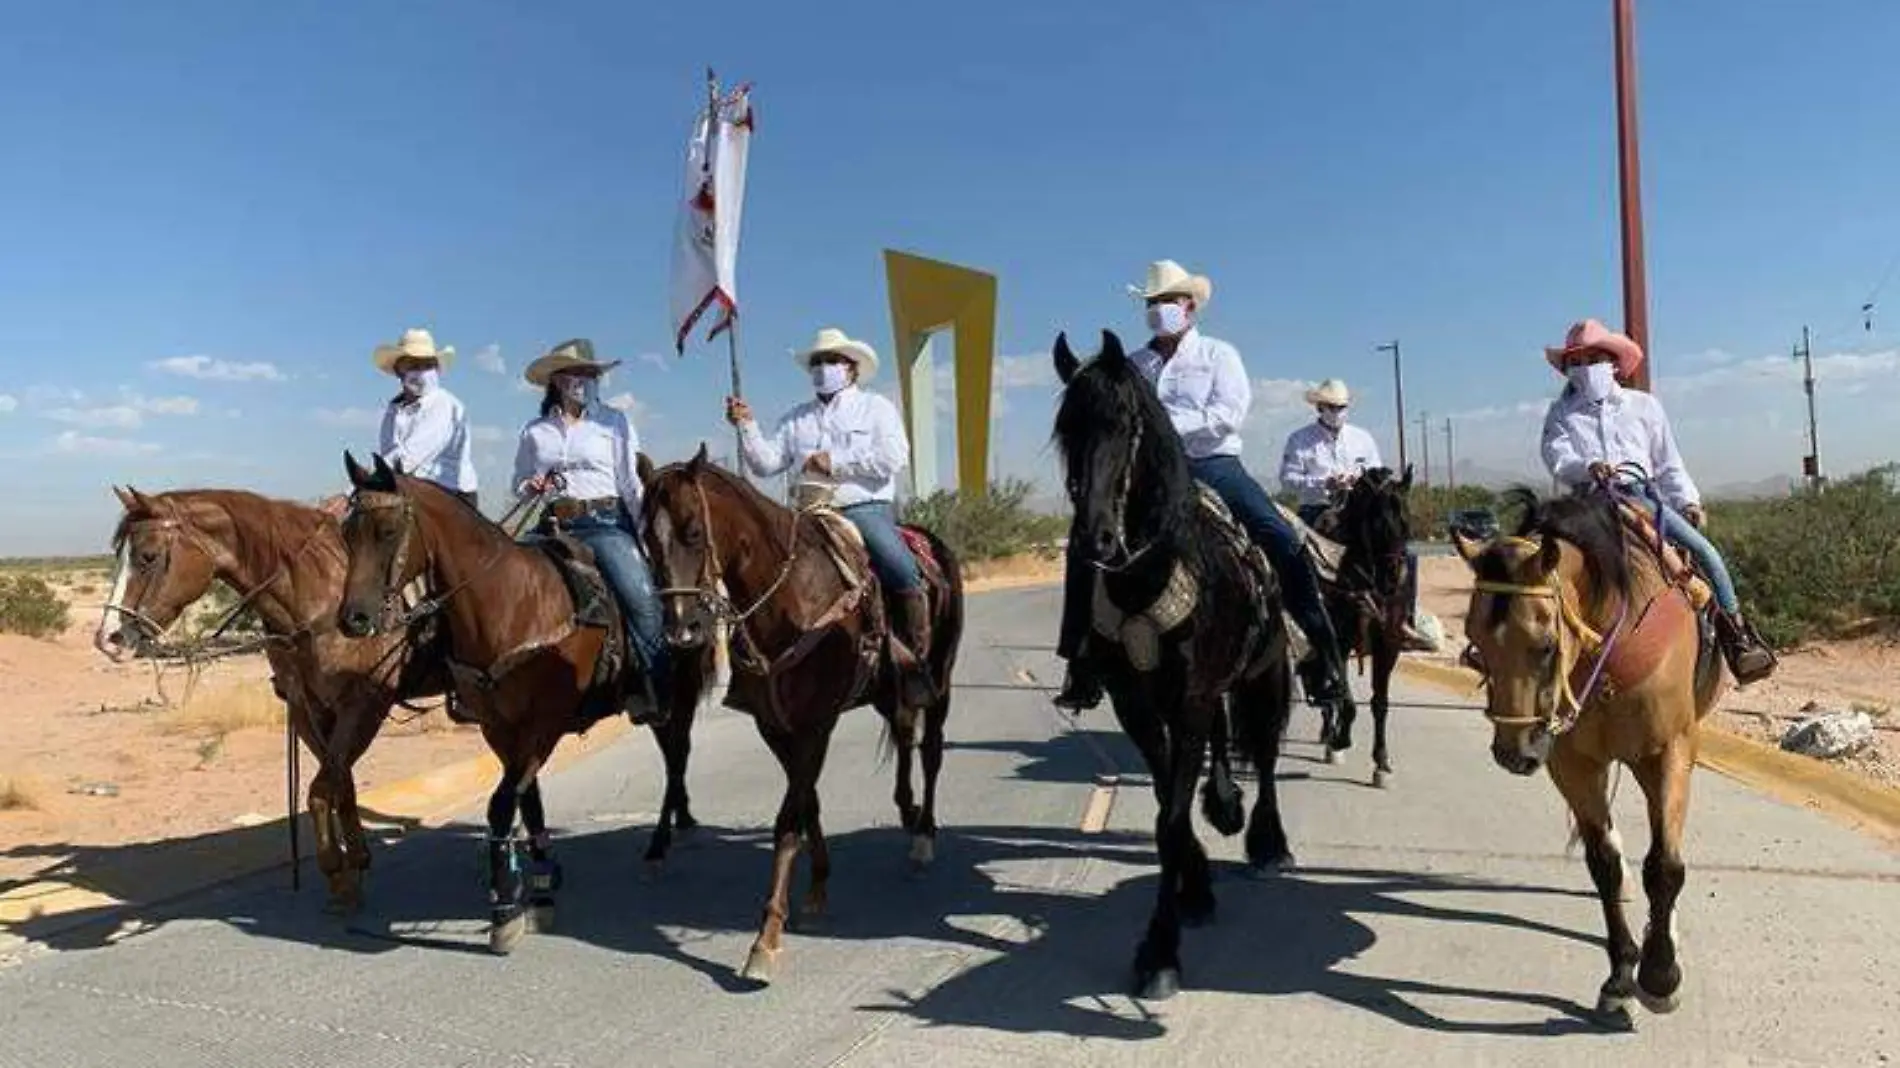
(1749, 657)
(1081, 688)
(913, 660)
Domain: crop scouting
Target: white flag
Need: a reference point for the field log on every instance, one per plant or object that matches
(706, 247)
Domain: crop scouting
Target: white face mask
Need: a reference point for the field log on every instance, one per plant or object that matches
(1331, 420)
(829, 378)
(1593, 381)
(1168, 319)
(576, 390)
(417, 382)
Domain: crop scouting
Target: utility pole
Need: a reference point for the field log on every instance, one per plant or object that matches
(1630, 193)
(1811, 463)
(1451, 465)
(1398, 390)
(1425, 444)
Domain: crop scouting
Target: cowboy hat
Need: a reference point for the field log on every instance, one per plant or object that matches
(576, 354)
(1592, 336)
(832, 339)
(416, 344)
(1167, 278)
(1331, 392)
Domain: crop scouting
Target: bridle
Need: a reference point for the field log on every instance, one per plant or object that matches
(706, 594)
(1127, 557)
(394, 616)
(1576, 638)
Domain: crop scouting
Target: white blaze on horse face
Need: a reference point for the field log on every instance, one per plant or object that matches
(112, 619)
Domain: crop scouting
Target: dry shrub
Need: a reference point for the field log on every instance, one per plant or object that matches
(19, 793)
(225, 709)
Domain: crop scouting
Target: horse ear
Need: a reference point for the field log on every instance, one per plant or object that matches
(1549, 554)
(358, 476)
(1111, 347)
(146, 506)
(643, 466)
(127, 500)
(1066, 363)
(1469, 548)
(699, 459)
(385, 475)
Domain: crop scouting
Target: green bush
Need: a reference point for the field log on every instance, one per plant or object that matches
(986, 528)
(1430, 507)
(28, 606)
(1815, 564)
(210, 610)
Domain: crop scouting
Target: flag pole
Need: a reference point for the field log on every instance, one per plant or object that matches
(732, 314)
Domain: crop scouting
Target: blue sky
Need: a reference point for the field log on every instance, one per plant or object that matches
(210, 212)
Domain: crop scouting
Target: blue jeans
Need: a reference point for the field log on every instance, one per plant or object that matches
(891, 558)
(1310, 513)
(609, 535)
(1679, 530)
(1270, 530)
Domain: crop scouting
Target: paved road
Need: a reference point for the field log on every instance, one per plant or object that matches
(1435, 923)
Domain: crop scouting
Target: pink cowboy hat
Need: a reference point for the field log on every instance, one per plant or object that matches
(1590, 335)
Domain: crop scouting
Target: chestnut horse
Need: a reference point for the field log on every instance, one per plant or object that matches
(285, 562)
(1596, 651)
(808, 644)
(522, 662)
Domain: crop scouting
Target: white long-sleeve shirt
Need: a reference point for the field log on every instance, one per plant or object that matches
(430, 440)
(1204, 388)
(1629, 426)
(859, 430)
(597, 457)
(1315, 454)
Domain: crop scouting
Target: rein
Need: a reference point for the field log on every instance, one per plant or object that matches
(1129, 557)
(399, 618)
(1574, 629)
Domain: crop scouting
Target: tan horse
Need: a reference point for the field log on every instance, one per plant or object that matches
(1596, 652)
(286, 563)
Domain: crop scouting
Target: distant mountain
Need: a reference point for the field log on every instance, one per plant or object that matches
(1760, 489)
(1476, 474)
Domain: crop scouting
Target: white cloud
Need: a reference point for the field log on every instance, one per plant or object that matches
(8, 403)
(167, 405)
(116, 416)
(630, 404)
(488, 358)
(73, 442)
(352, 418)
(657, 359)
(1501, 412)
(1278, 398)
(204, 367)
(1024, 372)
(487, 433)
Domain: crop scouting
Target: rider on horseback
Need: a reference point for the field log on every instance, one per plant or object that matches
(1321, 462)
(852, 438)
(1203, 385)
(586, 453)
(425, 428)
(1595, 427)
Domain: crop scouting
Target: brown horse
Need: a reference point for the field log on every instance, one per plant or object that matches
(808, 644)
(286, 563)
(1596, 652)
(533, 647)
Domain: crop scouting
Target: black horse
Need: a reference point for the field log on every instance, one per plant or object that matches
(1370, 599)
(1186, 634)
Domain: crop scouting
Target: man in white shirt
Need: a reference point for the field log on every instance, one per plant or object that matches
(852, 441)
(1595, 427)
(1321, 462)
(425, 428)
(1203, 386)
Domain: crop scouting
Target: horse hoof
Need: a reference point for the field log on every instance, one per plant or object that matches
(505, 936)
(1332, 755)
(542, 918)
(1161, 985)
(1660, 1004)
(923, 852)
(1381, 778)
(1615, 1016)
(761, 966)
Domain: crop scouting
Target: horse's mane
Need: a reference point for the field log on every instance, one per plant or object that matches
(1107, 393)
(272, 529)
(1588, 522)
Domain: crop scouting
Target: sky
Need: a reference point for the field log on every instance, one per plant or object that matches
(211, 211)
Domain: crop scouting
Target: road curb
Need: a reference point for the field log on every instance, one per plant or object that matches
(1865, 807)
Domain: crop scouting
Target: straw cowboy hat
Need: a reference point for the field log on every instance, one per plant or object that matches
(1332, 392)
(1592, 336)
(416, 344)
(576, 354)
(832, 339)
(1167, 278)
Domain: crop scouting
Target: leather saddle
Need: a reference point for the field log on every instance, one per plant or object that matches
(595, 606)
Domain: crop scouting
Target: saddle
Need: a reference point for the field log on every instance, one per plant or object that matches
(1325, 553)
(1641, 526)
(596, 607)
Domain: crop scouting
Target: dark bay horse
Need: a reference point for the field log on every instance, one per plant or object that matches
(1368, 600)
(522, 664)
(286, 563)
(1188, 635)
(1597, 650)
(808, 639)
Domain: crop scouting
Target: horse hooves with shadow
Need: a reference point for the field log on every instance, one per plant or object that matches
(1187, 635)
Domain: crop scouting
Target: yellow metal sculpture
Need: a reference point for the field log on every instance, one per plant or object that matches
(928, 296)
